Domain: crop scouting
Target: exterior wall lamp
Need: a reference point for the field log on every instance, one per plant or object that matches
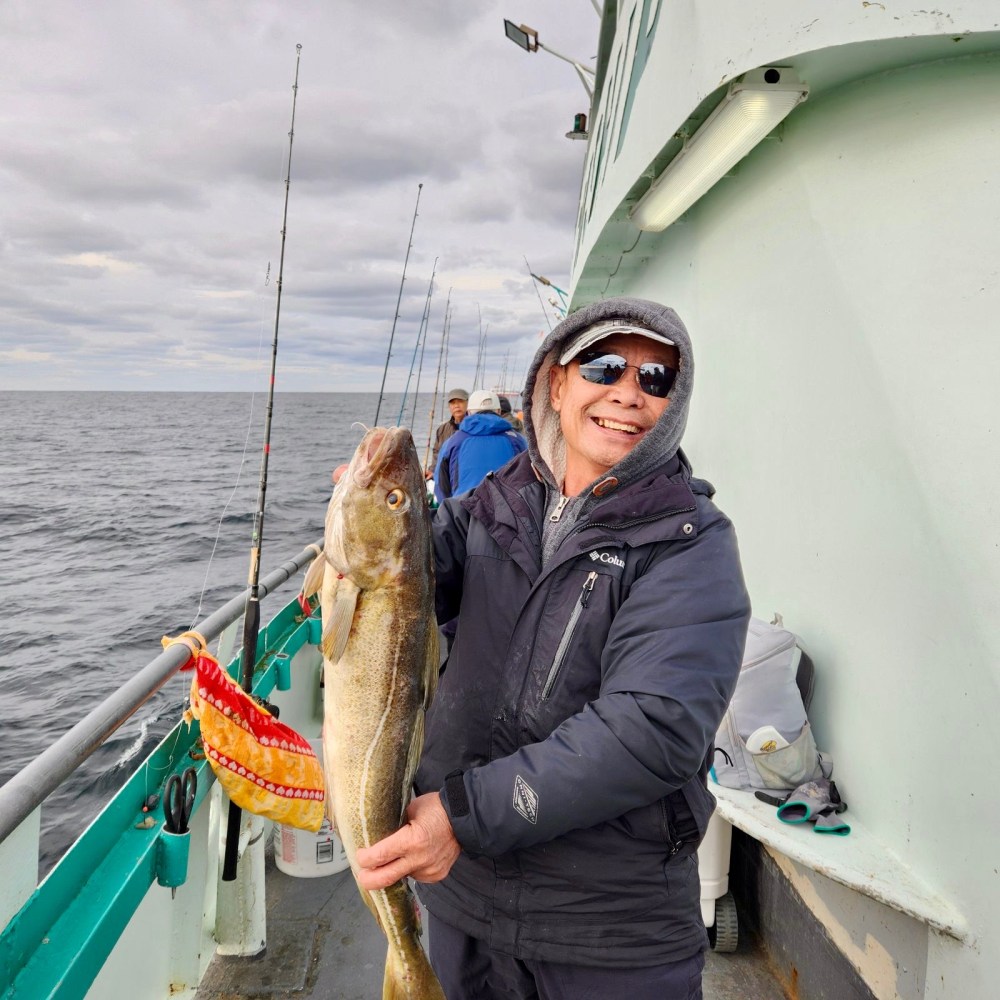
(751, 109)
(527, 39)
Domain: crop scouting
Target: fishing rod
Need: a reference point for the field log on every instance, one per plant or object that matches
(399, 299)
(482, 355)
(421, 338)
(503, 369)
(478, 373)
(447, 344)
(437, 380)
(251, 616)
(423, 348)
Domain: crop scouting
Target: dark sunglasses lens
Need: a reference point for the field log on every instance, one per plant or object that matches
(656, 380)
(605, 369)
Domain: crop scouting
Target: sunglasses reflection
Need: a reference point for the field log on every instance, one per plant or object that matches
(654, 377)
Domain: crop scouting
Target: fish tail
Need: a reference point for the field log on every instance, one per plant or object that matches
(410, 976)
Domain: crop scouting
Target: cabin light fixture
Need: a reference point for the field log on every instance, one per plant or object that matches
(751, 109)
(521, 34)
(527, 39)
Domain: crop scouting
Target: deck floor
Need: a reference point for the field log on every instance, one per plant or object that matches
(323, 944)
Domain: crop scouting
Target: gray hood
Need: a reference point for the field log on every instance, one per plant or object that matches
(541, 423)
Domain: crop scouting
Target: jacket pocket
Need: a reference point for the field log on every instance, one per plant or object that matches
(568, 632)
(688, 810)
(678, 821)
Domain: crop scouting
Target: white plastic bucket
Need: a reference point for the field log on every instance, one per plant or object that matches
(713, 865)
(309, 855)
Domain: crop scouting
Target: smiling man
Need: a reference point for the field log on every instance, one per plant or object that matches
(601, 622)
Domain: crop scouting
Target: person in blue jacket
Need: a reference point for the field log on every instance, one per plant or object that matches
(483, 442)
(562, 791)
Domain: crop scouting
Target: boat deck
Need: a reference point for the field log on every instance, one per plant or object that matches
(324, 944)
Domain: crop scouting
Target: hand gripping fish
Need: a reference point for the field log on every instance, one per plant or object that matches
(380, 651)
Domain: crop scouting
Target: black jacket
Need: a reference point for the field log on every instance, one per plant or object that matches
(576, 714)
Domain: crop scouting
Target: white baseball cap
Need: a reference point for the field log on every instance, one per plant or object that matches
(601, 330)
(483, 399)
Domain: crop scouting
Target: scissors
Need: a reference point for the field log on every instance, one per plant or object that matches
(178, 800)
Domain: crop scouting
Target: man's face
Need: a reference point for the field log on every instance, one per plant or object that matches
(603, 423)
(458, 408)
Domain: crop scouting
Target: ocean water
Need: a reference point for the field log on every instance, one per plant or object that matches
(120, 515)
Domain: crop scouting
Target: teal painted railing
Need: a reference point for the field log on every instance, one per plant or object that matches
(56, 944)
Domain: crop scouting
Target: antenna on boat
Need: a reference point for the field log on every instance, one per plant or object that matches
(251, 616)
(399, 299)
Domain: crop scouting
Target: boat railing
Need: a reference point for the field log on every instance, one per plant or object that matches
(75, 933)
(29, 788)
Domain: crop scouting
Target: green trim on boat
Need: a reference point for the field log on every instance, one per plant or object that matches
(57, 943)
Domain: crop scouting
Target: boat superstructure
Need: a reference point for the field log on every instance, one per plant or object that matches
(840, 285)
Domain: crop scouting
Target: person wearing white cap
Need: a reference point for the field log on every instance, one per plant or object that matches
(483, 443)
(562, 790)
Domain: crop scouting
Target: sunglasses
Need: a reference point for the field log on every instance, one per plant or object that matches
(654, 379)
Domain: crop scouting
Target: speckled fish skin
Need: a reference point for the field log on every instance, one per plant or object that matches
(380, 649)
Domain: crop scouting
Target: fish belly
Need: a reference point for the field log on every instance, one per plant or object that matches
(374, 705)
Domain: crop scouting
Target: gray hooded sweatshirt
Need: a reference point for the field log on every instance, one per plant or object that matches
(545, 441)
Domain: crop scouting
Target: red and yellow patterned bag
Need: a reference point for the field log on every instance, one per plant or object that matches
(263, 765)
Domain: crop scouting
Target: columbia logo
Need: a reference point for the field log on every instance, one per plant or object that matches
(607, 557)
(525, 800)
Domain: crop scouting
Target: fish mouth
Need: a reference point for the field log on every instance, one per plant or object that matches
(378, 447)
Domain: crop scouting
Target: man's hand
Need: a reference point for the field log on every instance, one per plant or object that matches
(425, 847)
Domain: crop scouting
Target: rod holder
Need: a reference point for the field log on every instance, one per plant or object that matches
(316, 629)
(172, 858)
(283, 671)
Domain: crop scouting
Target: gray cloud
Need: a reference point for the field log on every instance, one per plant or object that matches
(143, 178)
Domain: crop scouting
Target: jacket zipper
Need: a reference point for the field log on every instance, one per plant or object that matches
(633, 523)
(673, 845)
(567, 636)
(560, 507)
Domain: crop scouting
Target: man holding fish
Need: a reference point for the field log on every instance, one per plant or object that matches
(561, 794)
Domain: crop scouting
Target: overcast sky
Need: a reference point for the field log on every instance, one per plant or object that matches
(143, 152)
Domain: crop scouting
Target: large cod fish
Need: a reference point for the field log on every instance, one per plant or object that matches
(380, 652)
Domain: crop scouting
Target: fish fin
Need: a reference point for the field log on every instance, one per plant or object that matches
(432, 665)
(412, 760)
(338, 630)
(314, 577)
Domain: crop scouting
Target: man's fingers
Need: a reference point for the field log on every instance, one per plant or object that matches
(392, 848)
(424, 847)
(386, 862)
(383, 877)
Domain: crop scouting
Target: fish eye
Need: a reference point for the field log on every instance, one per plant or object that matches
(395, 500)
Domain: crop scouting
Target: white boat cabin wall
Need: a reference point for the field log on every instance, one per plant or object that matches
(841, 289)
